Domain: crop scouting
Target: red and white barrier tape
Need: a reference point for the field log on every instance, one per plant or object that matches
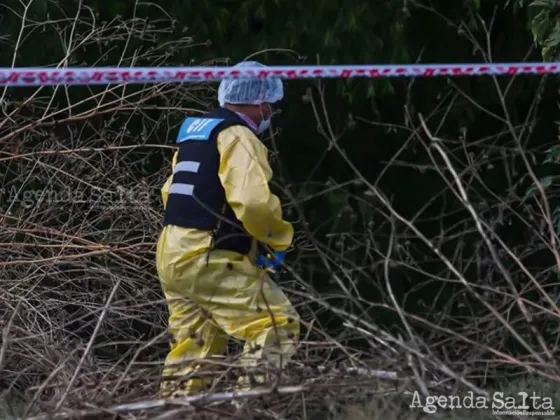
(28, 76)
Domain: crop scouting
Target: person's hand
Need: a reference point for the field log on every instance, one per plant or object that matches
(261, 261)
(271, 261)
(277, 258)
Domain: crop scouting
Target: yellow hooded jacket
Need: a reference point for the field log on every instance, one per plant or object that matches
(244, 173)
(243, 302)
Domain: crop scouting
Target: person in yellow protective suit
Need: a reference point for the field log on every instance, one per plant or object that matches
(219, 210)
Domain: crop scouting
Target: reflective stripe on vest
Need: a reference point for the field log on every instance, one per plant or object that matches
(184, 166)
(187, 166)
(183, 189)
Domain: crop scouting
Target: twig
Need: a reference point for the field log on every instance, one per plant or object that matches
(90, 344)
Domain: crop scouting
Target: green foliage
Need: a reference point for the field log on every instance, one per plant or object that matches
(11, 408)
(545, 26)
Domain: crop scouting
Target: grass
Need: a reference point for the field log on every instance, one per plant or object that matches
(11, 408)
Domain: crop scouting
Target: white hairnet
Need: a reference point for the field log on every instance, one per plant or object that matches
(250, 91)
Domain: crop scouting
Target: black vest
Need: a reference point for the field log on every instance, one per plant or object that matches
(197, 198)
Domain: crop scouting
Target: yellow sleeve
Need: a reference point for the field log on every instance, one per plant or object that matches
(245, 173)
(167, 185)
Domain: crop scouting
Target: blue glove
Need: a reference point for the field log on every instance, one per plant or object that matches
(271, 261)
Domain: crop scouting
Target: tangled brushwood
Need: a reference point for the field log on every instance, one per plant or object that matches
(392, 301)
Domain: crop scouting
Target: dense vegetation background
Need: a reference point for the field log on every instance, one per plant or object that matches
(426, 241)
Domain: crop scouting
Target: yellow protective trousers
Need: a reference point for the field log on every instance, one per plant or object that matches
(212, 296)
